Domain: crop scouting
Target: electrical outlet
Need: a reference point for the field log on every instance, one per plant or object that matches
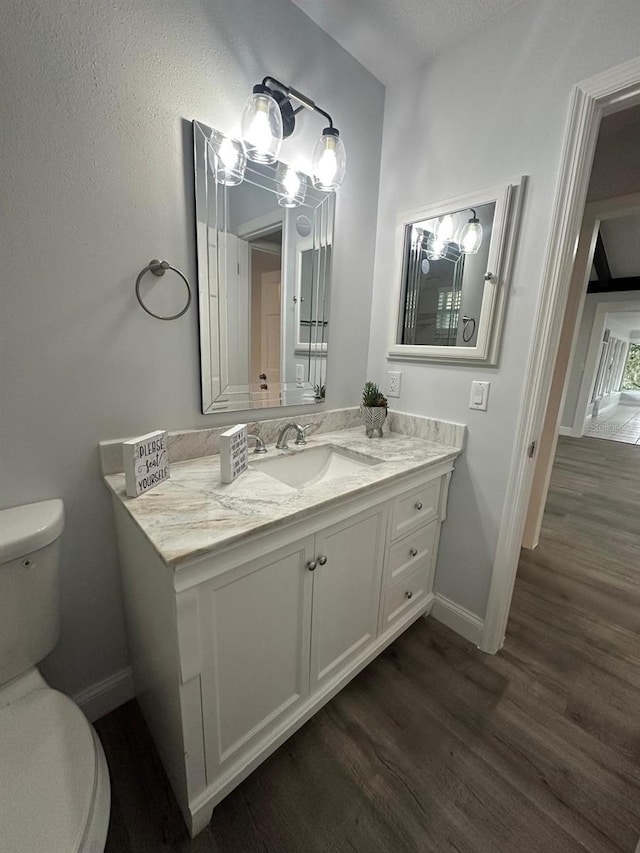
(394, 378)
(299, 375)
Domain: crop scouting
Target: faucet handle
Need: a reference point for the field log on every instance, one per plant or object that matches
(301, 437)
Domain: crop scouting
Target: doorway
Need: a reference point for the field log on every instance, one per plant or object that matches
(612, 91)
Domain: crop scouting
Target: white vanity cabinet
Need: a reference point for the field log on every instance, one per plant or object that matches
(346, 592)
(275, 629)
(233, 651)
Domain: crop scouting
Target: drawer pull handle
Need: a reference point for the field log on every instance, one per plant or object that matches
(408, 594)
(419, 506)
(414, 552)
(311, 565)
(322, 560)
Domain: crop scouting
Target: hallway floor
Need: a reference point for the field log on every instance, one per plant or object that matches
(437, 747)
(619, 423)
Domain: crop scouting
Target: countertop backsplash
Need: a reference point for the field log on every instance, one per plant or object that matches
(197, 443)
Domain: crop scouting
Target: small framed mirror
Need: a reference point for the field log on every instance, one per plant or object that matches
(454, 260)
(264, 280)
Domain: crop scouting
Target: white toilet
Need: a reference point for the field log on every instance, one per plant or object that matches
(54, 782)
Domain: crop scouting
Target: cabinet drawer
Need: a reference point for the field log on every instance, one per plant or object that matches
(404, 595)
(415, 508)
(411, 552)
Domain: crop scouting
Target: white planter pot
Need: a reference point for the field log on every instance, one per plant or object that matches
(373, 419)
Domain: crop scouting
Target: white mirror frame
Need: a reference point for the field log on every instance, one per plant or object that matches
(508, 198)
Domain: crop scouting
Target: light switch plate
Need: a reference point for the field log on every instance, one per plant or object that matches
(394, 378)
(479, 396)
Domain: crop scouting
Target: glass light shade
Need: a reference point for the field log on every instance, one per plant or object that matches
(445, 229)
(329, 161)
(470, 238)
(227, 159)
(292, 186)
(436, 247)
(261, 126)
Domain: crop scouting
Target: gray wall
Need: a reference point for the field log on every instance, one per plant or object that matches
(491, 109)
(96, 179)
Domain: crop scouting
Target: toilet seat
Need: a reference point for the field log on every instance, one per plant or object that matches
(54, 788)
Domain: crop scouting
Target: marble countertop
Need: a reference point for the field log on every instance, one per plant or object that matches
(194, 514)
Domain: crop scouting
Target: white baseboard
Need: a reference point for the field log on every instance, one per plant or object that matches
(458, 618)
(106, 695)
(565, 431)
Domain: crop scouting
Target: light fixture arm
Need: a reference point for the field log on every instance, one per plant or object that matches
(289, 92)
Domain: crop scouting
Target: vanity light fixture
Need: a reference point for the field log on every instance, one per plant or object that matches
(470, 238)
(269, 117)
(262, 125)
(444, 231)
(435, 248)
(292, 186)
(227, 159)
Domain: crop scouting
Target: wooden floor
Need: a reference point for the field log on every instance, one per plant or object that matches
(438, 747)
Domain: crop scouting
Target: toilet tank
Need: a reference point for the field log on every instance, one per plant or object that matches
(29, 585)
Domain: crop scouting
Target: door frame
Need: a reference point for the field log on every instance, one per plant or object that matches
(611, 91)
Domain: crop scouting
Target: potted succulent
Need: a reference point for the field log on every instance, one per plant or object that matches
(373, 408)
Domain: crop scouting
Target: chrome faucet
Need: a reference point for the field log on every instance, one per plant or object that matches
(260, 446)
(301, 435)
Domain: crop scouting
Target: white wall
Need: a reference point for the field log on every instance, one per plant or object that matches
(491, 109)
(96, 179)
(577, 366)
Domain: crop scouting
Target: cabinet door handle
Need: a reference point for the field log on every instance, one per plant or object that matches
(408, 594)
(311, 565)
(322, 560)
(414, 552)
(419, 506)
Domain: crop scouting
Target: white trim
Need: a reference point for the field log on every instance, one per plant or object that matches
(105, 696)
(565, 431)
(508, 199)
(613, 90)
(458, 618)
(261, 226)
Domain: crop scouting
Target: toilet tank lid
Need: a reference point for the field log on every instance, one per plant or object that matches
(24, 529)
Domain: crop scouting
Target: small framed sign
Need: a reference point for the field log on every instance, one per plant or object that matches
(234, 454)
(146, 462)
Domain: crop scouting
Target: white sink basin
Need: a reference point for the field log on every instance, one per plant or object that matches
(315, 465)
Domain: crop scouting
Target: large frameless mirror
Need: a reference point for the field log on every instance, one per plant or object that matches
(264, 276)
(454, 261)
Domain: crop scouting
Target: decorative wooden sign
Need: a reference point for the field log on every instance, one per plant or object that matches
(234, 455)
(146, 462)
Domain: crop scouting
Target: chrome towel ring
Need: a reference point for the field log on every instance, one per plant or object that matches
(159, 268)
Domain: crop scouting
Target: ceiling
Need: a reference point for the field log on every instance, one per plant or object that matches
(623, 323)
(621, 238)
(390, 37)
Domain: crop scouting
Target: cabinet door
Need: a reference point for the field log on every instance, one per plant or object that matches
(346, 592)
(255, 629)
